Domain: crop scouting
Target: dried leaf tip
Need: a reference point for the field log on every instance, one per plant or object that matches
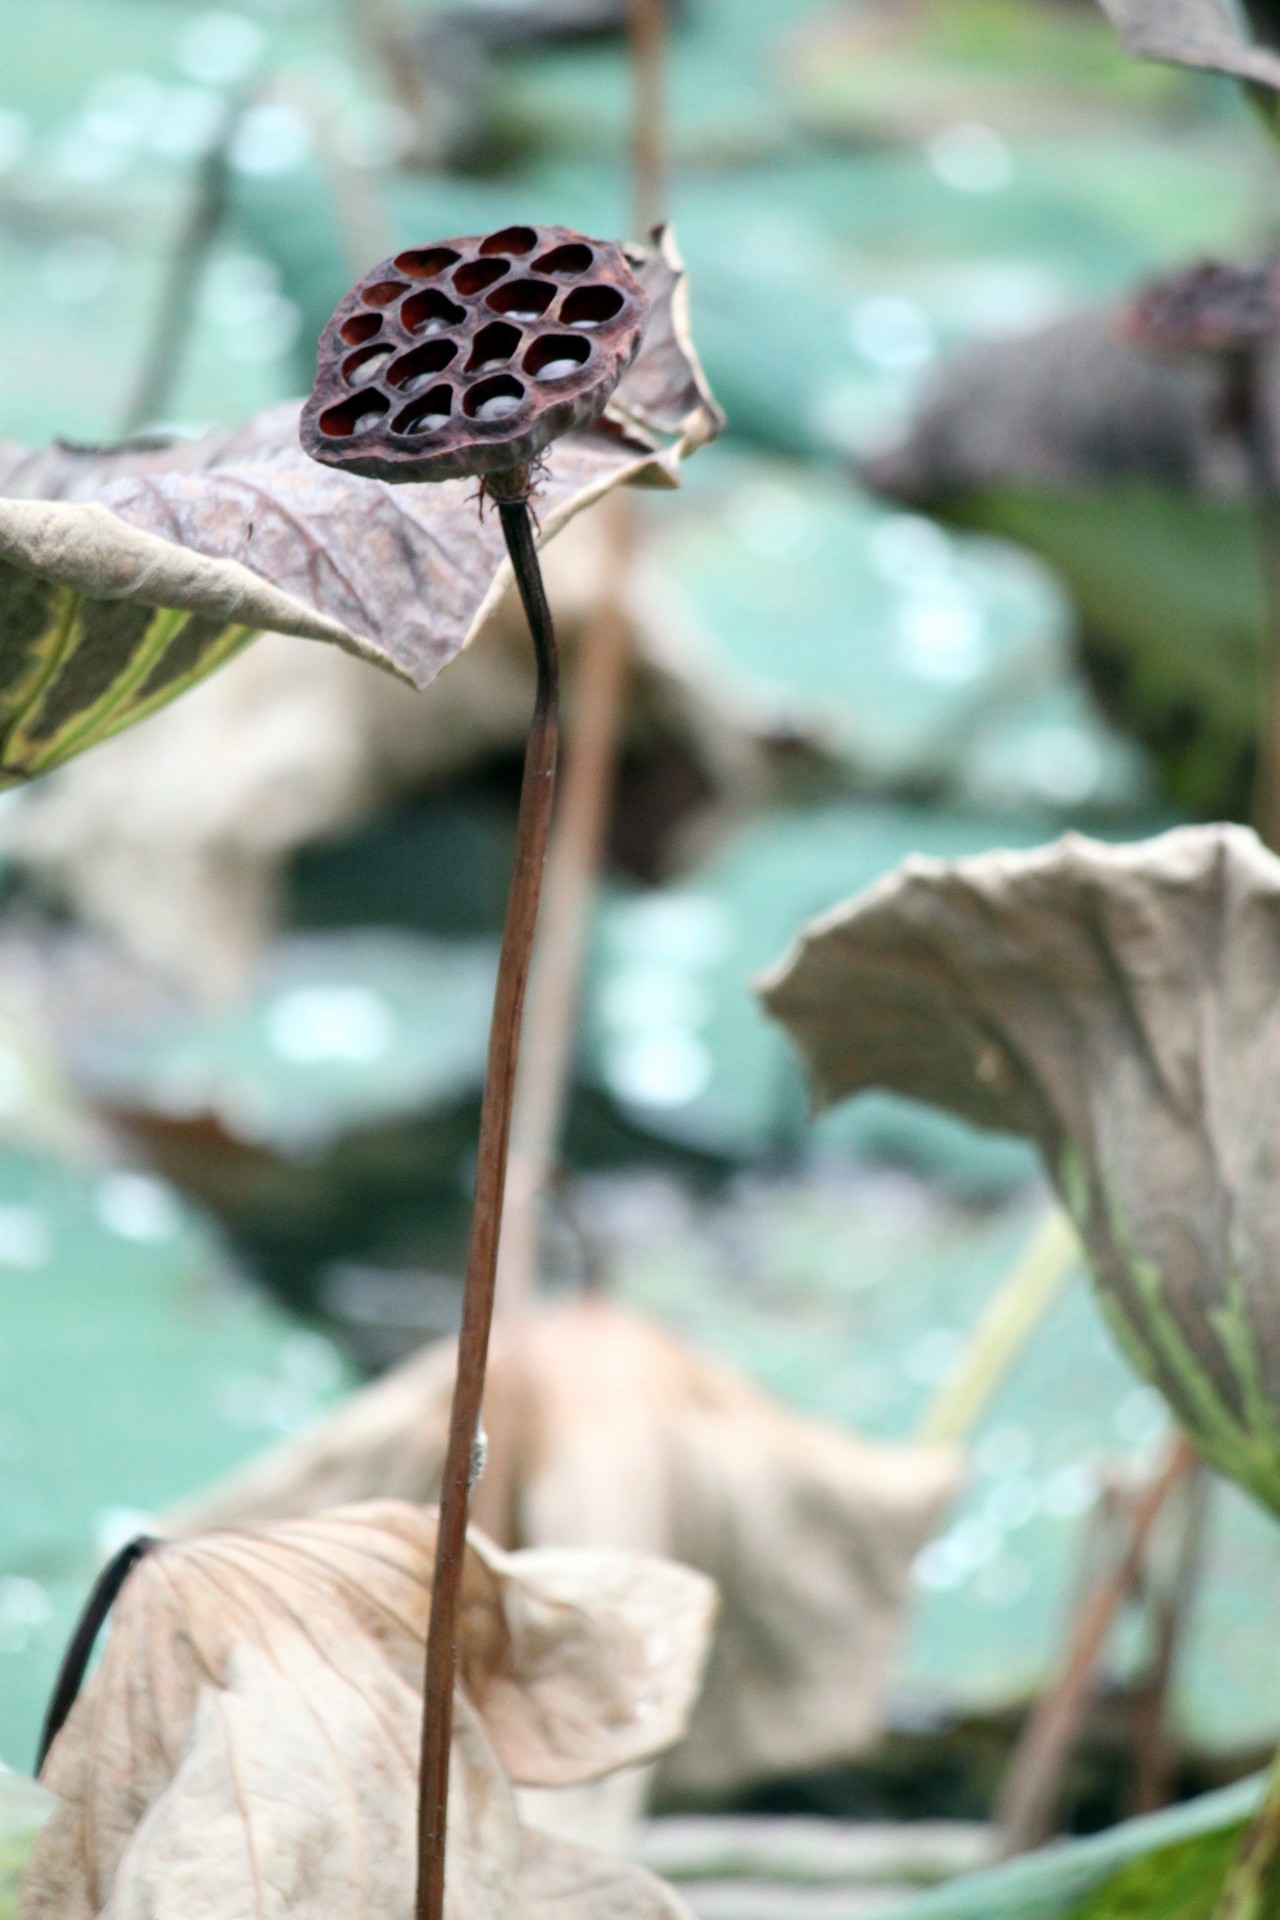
(469, 356)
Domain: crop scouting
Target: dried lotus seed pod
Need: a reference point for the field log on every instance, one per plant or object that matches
(470, 356)
(1209, 308)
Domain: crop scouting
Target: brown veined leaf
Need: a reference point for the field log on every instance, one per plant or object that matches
(128, 574)
(1204, 33)
(1119, 1005)
(605, 1431)
(249, 1745)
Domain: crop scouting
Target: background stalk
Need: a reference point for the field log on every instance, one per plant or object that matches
(1253, 405)
(590, 776)
(646, 26)
(486, 1216)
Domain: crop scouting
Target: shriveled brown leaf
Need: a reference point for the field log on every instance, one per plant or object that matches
(128, 574)
(665, 391)
(249, 1745)
(1117, 1004)
(1203, 33)
(604, 1430)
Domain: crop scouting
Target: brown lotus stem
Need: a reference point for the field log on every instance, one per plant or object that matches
(1172, 1609)
(1035, 1772)
(573, 863)
(647, 25)
(175, 319)
(486, 1215)
(1251, 402)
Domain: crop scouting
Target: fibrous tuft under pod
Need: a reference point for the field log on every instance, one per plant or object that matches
(468, 356)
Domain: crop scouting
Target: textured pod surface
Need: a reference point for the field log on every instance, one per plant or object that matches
(1119, 1005)
(471, 355)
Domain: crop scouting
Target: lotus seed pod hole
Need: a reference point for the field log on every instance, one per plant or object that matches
(363, 367)
(426, 262)
(574, 258)
(510, 240)
(476, 275)
(590, 306)
(360, 327)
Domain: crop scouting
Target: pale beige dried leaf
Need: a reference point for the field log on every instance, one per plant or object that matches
(605, 1430)
(563, 1882)
(249, 1745)
(1119, 1005)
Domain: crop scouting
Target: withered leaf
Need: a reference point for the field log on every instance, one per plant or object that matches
(1074, 405)
(128, 574)
(249, 1745)
(605, 1430)
(664, 392)
(1203, 33)
(1119, 1005)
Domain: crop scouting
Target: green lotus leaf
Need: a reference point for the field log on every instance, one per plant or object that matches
(1117, 1005)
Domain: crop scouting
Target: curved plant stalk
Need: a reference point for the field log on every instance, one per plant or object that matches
(1031, 1783)
(590, 767)
(1004, 1326)
(175, 320)
(464, 1455)
(1252, 405)
(572, 869)
(647, 31)
(75, 1660)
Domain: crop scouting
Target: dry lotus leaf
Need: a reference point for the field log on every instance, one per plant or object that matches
(1203, 33)
(1075, 405)
(249, 1744)
(606, 1431)
(1119, 1005)
(127, 575)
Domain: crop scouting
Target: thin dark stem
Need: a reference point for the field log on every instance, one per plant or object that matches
(598, 700)
(1172, 1609)
(174, 321)
(79, 1648)
(482, 1253)
(648, 34)
(1029, 1795)
(1251, 402)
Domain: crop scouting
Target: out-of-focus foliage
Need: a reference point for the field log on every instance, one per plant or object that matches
(1120, 465)
(1168, 1866)
(131, 1368)
(980, 167)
